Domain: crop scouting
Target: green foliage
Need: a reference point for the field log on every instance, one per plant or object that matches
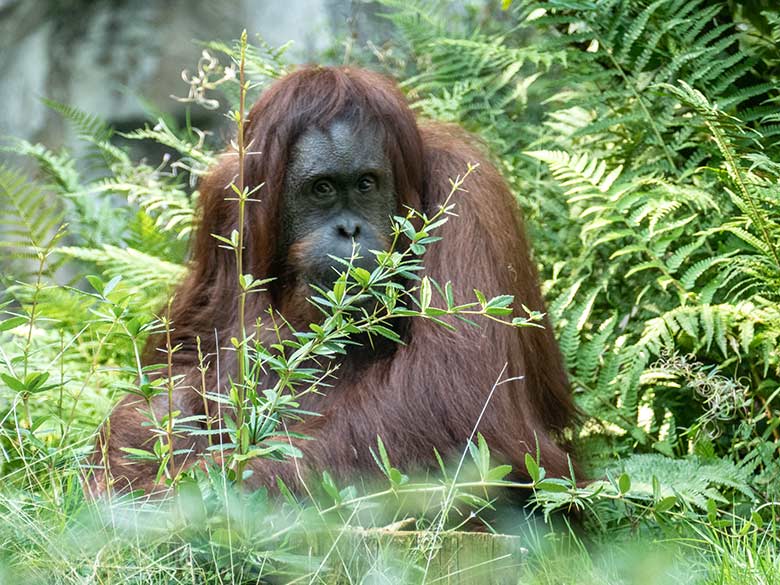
(68, 349)
(654, 213)
(641, 139)
(693, 481)
(26, 231)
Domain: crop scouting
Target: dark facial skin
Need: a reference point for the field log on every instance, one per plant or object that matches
(339, 190)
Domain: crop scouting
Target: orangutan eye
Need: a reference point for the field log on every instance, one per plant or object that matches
(323, 188)
(366, 183)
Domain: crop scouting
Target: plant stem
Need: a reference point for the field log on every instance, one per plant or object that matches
(170, 386)
(28, 341)
(242, 197)
(203, 368)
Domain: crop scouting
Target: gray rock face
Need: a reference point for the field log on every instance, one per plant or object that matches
(100, 55)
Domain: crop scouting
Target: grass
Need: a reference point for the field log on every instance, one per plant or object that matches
(211, 533)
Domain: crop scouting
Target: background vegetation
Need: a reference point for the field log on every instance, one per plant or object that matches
(641, 139)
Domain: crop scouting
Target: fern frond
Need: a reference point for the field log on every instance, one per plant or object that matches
(139, 271)
(159, 197)
(263, 61)
(196, 159)
(692, 274)
(58, 168)
(92, 129)
(570, 337)
(591, 355)
(31, 220)
(692, 480)
(578, 173)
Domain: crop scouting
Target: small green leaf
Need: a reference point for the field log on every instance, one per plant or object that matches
(383, 460)
(498, 473)
(284, 449)
(96, 283)
(139, 454)
(111, 285)
(552, 485)
(624, 483)
(501, 301)
(484, 455)
(712, 510)
(666, 504)
(222, 239)
(361, 276)
(425, 294)
(449, 295)
(330, 487)
(397, 478)
(14, 384)
(12, 322)
(339, 288)
(532, 467)
(386, 332)
(498, 311)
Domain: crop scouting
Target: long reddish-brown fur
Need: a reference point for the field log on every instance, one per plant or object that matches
(424, 395)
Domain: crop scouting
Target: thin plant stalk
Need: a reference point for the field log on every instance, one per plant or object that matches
(240, 189)
(170, 387)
